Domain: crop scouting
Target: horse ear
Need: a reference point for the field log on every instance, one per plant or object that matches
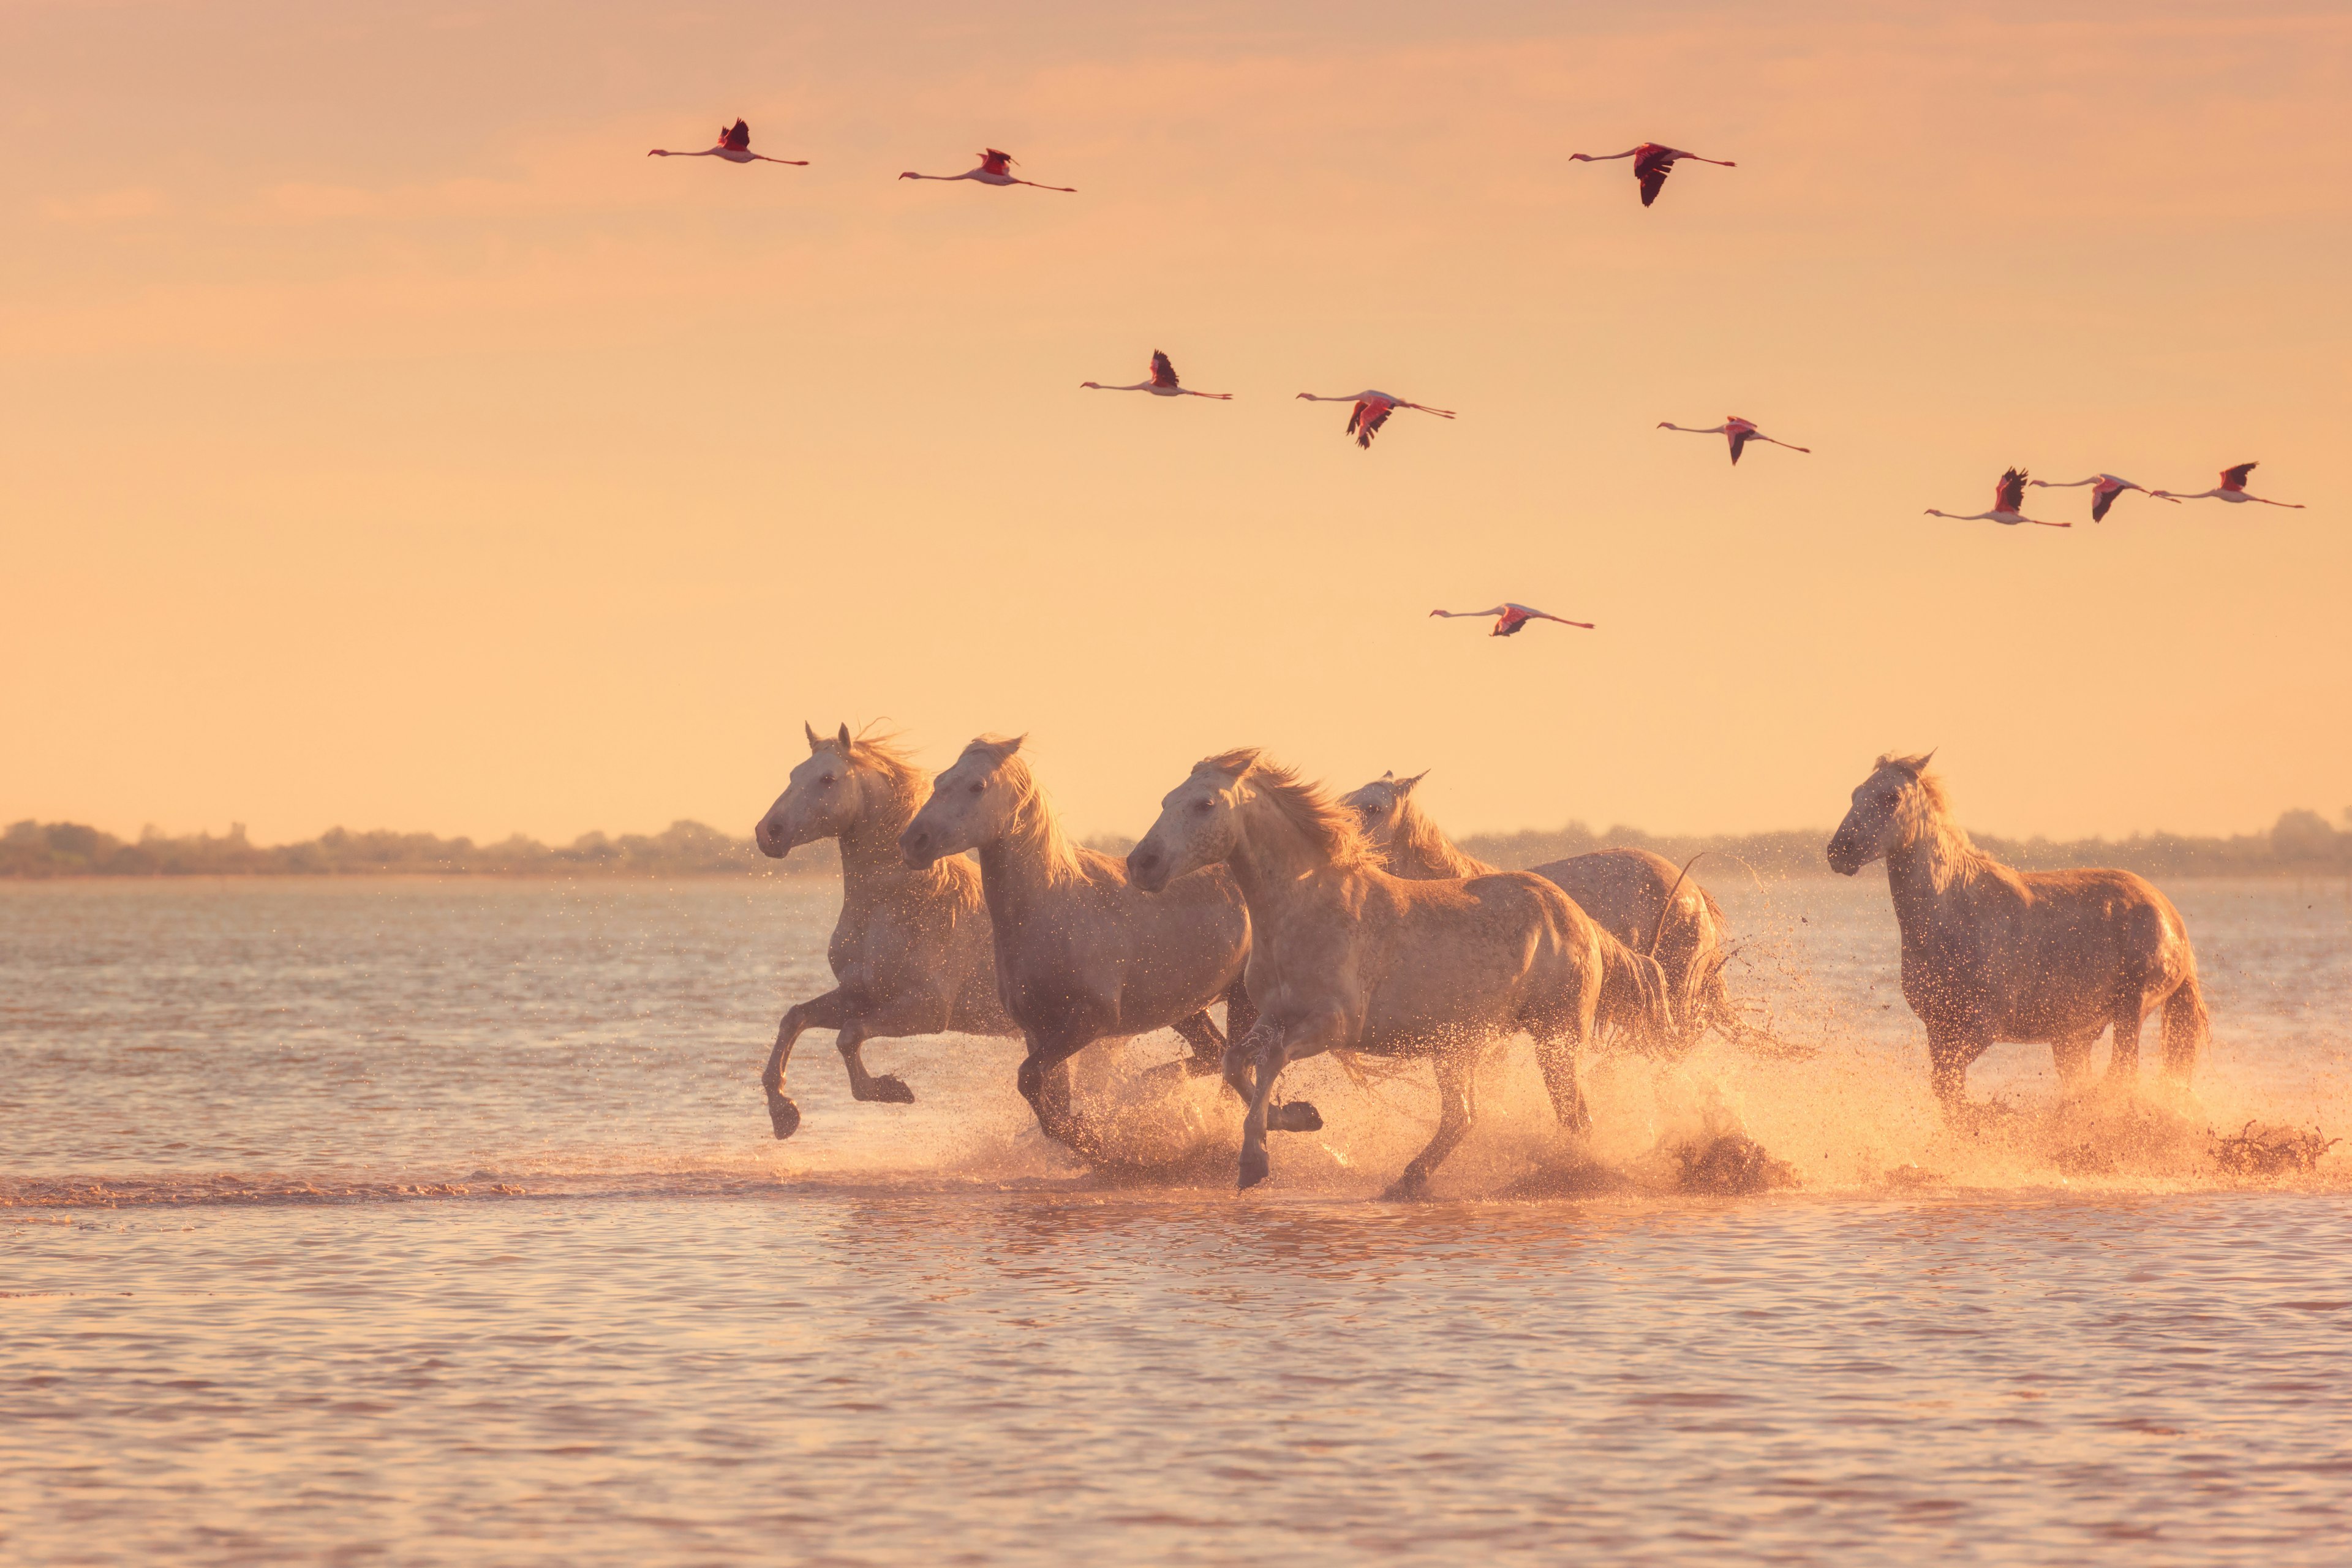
(997, 747)
(1389, 777)
(1235, 763)
(843, 738)
(1404, 786)
(811, 730)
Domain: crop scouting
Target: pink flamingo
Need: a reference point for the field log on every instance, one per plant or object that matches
(1735, 429)
(1511, 618)
(2007, 497)
(1161, 385)
(2232, 487)
(734, 144)
(2104, 489)
(1652, 161)
(995, 169)
(1372, 411)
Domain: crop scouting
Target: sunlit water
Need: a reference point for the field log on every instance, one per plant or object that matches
(379, 1220)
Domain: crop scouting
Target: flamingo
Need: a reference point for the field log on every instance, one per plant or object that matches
(1735, 430)
(1510, 617)
(1161, 385)
(734, 144)
(995, 169)
(1372, 411)
(2232, 487)
(1652, 161)
(2106, 487)
(2007, 497)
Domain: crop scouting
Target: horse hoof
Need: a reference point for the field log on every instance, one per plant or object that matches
(1254, 1168)
(1297, 1116)
(889, 1089)
(1405, 1190)
(783, 1115)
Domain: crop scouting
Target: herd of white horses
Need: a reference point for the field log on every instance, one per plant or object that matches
(1351, 923)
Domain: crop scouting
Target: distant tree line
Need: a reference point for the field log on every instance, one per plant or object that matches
(687, 849)
(2301, 843)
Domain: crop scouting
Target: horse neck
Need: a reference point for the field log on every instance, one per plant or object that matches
(869, 846)
(1273, 864)
(1024, 865)
(1421, 848)
(1935, 868)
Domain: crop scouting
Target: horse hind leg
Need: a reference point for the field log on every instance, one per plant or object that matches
(1557, 1055)
(1200, 1031)
(1456, 1069)
(885, 1089)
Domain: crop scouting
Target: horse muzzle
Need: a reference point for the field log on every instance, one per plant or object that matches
(1146, 867)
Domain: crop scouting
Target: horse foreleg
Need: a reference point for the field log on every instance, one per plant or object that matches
(888, 1088)
(1287, 1116)
(825, 1012)
(2072, 1057)
(1456, 1070)
(1948, 1056)
(1271, 1059)
(2123, 1062)
(1045, 1083)
(1557, 1056)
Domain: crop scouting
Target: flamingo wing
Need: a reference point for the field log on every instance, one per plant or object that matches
(1513, 617)
(2101, 498)
(1367, 420)
(2010, 494)
(738, 136)
(1651, 164)
(1739, 439)
(995, 162)
(2235, 478)
(1162, 373)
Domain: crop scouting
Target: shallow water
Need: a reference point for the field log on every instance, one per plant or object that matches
(439, 1221)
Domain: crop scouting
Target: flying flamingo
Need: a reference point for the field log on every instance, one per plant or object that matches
(995, 169)
(2007, 497)
(2106, 487)
(1652, 161)
(1161, 385)
(1737, 431)
(2232, 488)
(1511, 618)
(734, 144)
(1372, 411)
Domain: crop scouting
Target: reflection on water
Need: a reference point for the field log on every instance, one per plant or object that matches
(439, 1222)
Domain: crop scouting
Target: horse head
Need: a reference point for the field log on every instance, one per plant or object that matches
(1889, 808)
(824, 797)
(1198, 824)
(971, 804)
(1379, 806)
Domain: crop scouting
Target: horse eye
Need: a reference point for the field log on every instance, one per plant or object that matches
(980, 789)
(1201, 805)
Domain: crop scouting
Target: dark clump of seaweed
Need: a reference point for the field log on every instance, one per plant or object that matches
(2267, 1149)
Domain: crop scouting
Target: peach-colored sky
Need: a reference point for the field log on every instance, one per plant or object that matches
(388, 441)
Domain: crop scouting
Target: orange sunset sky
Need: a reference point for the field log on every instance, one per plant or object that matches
(388, 441)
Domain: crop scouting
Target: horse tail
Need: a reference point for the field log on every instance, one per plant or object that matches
(1634, 996)
(2187, 1025)
(1666, 912)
